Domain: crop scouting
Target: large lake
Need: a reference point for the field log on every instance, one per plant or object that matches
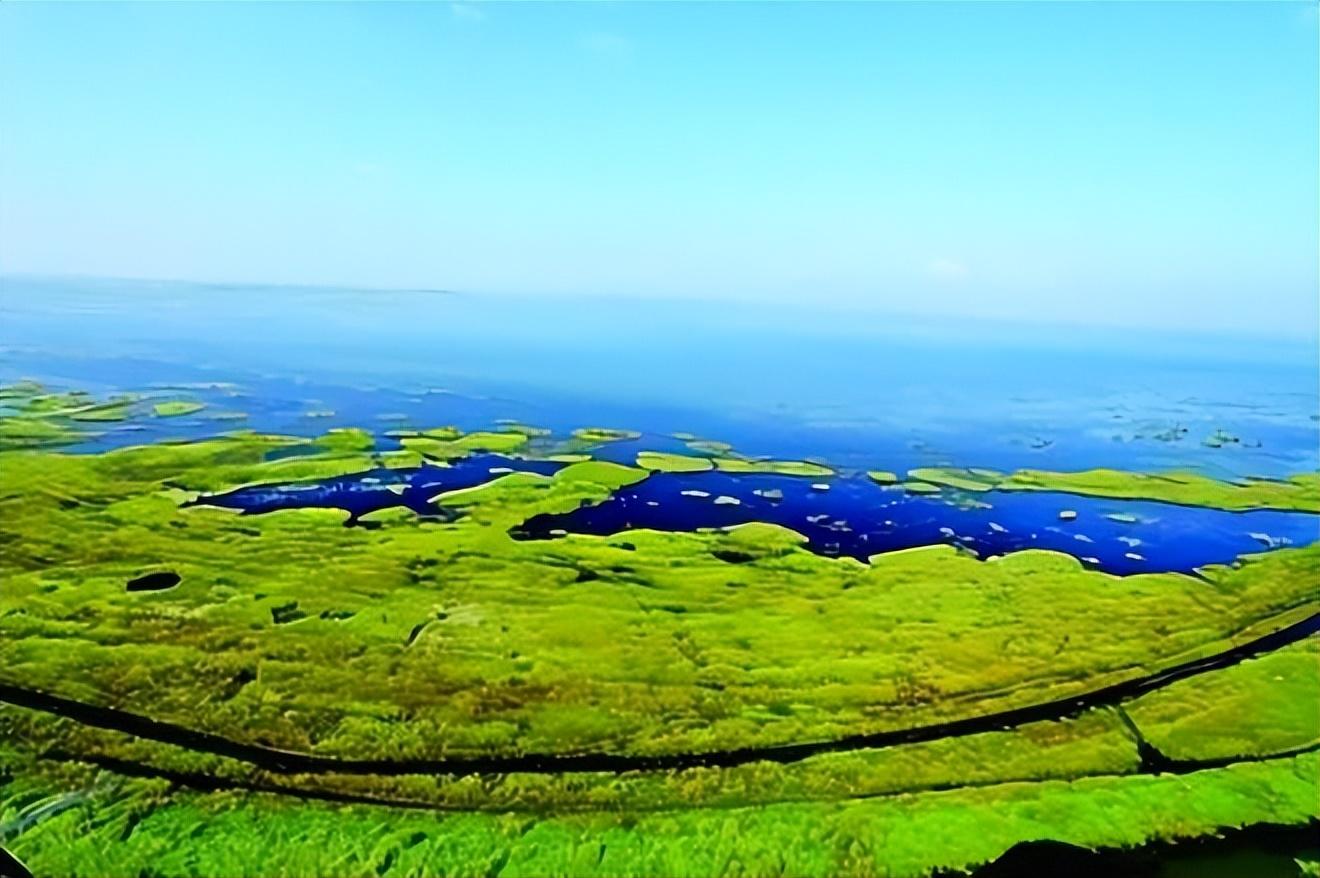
(856, 389)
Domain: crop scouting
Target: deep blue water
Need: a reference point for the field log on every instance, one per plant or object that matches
(853, 516)
(840, 516)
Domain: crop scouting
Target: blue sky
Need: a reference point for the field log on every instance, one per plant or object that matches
(1125, 164)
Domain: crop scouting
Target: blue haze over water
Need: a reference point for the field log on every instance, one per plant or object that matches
(857, 389)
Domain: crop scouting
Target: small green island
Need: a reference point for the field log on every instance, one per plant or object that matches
(176, 408)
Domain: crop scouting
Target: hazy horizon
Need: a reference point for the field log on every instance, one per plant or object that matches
(1297, 336)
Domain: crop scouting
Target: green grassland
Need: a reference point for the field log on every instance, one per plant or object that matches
(1300, 492)
(117, 826)
(413, 638)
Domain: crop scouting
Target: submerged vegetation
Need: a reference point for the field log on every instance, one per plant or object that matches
(393, 649)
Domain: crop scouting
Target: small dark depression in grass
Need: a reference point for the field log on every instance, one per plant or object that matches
(854, 517)
(158, 581)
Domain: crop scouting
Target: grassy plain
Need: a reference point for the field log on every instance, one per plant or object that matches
(417, 639)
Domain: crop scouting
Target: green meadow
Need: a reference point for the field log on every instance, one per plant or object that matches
(417, 640)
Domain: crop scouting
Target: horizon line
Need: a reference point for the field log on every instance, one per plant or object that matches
(1304, 334)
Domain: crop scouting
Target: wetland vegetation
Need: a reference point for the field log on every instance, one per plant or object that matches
(186, 684)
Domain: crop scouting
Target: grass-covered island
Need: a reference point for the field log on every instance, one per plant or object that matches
(185, 690)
